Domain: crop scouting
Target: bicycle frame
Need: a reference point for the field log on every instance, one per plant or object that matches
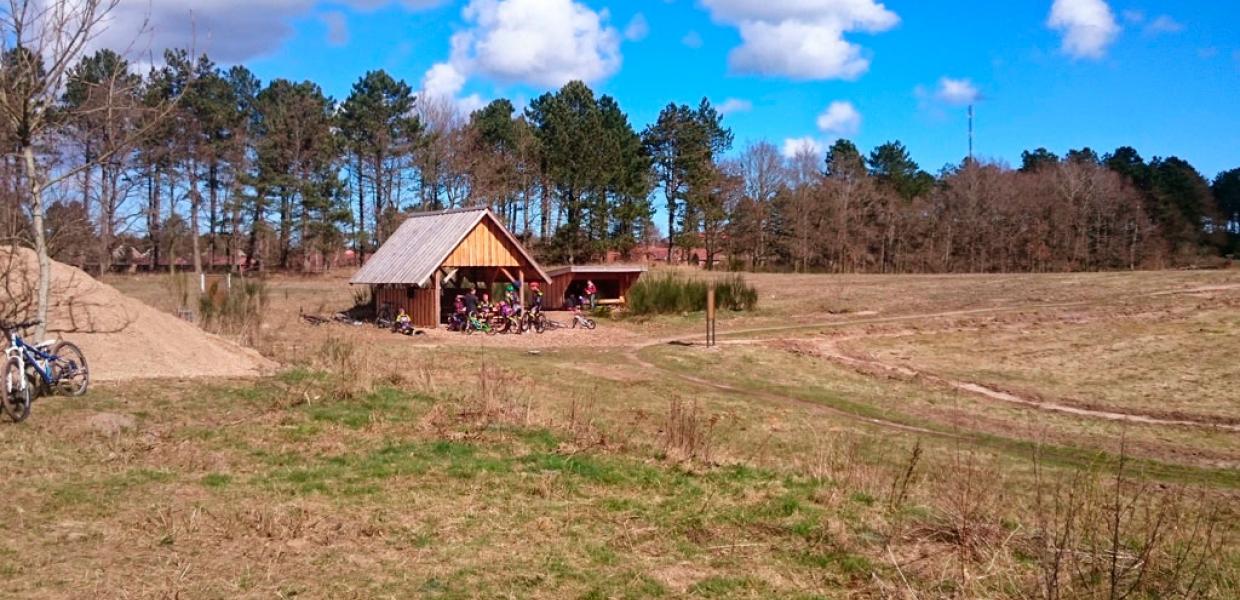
(29, 355)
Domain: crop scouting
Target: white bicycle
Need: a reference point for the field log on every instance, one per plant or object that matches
(29, 370)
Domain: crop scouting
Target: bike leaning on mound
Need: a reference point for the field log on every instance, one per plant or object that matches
(29, 371)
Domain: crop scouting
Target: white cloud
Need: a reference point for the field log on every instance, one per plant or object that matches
(539, 42)
(337, 25)
(1163, 24)
(794, 147)
(957, 91)
(637, 29)
(229, 31)
(1133, 16)
(840, 119)
(735, 105)
(692, 39)
(443, 80)
(1088, 26)
(801, 39)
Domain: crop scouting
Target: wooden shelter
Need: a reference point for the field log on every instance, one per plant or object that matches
(613, 283)
(434, 256)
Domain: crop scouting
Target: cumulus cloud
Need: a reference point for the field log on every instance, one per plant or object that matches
(227, 30)
(794, 147)
(735, 105)
(539, 42)
(840, 119)
(957, 91)
(801, 39)
(637, 29)
(1088, 26)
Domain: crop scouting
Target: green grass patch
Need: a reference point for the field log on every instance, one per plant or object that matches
(216, 480)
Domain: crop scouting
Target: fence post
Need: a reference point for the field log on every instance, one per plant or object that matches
(710, 316)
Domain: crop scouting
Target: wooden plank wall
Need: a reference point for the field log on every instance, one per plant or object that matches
(484, 247)
(419, 303)
(559, 284)
(553, 297)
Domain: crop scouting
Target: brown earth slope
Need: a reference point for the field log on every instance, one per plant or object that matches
(122, 337)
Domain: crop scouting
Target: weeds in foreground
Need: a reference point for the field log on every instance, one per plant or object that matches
(688, 433)
(920, 520)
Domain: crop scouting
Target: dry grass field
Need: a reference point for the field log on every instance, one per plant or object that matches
(1007, 436)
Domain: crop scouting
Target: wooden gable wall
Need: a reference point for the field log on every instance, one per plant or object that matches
(485, 246)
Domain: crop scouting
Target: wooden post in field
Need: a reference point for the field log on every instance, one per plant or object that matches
(710, 316)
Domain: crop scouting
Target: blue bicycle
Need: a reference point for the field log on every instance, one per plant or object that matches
(30, 371)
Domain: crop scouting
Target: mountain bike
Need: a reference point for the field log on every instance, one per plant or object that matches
(534, 319)
(42, 368)
(584, 321)
(506, 323)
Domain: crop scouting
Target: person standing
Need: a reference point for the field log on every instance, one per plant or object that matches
(592, 294)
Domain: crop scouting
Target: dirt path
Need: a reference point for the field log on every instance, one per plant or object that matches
(833, 353)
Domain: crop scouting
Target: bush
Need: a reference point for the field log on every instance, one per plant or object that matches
(671, 293)
(236, 312)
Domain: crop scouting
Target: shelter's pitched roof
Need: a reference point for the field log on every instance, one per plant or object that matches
(423, 242)
(553, 271)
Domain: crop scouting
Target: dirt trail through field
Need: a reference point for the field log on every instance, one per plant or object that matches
(830, 351)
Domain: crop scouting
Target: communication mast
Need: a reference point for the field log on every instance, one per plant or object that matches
(970, 133)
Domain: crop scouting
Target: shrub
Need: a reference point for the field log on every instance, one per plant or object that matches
(670, 293)
(236, 312)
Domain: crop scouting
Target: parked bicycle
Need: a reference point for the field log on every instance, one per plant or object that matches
(46, 367)
(579, 318)
(385, 317)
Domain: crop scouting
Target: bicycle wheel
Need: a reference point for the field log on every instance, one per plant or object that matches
(540, 323)
(589, 323)
(69, 370)
(14, 397)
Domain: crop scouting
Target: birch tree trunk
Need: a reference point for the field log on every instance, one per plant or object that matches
(43, 292)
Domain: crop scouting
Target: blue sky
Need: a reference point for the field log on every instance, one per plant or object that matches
(1160, 76)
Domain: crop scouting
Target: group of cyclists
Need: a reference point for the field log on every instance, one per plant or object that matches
(473, 312)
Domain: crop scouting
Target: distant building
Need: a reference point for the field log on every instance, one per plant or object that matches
(434, 256)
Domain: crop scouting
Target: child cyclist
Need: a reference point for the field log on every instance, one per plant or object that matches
(536, 303)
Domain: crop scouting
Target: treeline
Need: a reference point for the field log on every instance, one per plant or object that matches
(203, 165)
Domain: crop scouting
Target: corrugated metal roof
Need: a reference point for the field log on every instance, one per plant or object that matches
(423, 242)
(553, 271)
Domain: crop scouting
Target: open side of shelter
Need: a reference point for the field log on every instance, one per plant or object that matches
(613, 283)
(432, 257)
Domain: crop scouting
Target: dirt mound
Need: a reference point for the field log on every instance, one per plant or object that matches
(122, 337)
